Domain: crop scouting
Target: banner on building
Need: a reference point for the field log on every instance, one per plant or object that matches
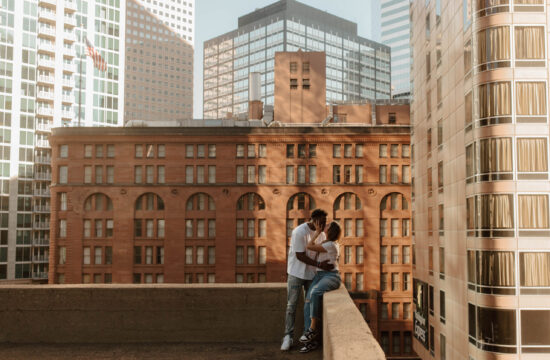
(420, 299)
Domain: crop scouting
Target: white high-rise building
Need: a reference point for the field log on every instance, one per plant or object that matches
(40, 52)
(396, 34)
(159, 59)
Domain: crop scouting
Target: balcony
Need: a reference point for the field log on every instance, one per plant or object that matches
(47, 3)
(69, 68)
(46, 16)
(40, 258)
(70, 6)
(70, 21)
(40, 275)
(41, 209)
(69, 52)
(68, 83)
(46, 32)
(44, 79)
(67, 114)
(235, 320)
(44, 128)
(68, 99)
(43, 144)
(69, 37)
(41, 225)
(44, 47)
(45, 95)
(44, 111)
(40, 242)
(42, 176)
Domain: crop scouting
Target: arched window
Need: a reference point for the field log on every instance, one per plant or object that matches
(97, 232)
(200, 236)
(298, 211)
(348, 212)
(149, 235)
(251, 234)
(395, 247)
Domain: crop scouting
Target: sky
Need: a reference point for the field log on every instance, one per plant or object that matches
(216, 17)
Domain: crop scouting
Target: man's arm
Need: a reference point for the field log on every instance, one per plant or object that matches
(306, 259)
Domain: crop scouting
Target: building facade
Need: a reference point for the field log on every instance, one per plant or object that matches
(159, 60)
(480, 185)
(40, 80)
(356, 68)
(396, 30)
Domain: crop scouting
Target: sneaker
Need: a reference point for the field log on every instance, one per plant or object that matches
(308, 336)
(312, 345)
(287, 343)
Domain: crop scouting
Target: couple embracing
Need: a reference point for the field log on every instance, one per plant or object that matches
(312, 266)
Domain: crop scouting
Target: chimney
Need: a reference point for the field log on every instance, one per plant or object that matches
(255, 105)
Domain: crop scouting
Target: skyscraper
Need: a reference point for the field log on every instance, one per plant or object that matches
(480, 158)
(159, 59)
(396, 34)
(40, 47)
(356, 68)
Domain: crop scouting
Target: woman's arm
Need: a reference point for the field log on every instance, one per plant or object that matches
(316, 247)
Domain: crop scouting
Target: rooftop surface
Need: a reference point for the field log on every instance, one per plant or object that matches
(157, 351)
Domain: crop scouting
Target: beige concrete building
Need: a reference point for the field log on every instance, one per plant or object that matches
(480, 194)
(159, 60)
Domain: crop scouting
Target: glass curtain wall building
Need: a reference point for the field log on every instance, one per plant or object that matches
(39, 89)
(356, 68)
(396, 34)
(480, 158)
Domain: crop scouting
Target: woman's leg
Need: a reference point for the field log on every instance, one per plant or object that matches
(329, 281)
(307, 317)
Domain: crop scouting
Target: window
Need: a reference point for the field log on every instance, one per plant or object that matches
(493, 46)
(200, 255)
(240, 228)
(161, 174)
(63, 151)
(188, 255)
(251, 151)
(406, 282)
(347, 281)
(62, 251)
(138, 176)
(189, 151)
(62, 228)
(392, 118)
(531, 98)
(200, 151)
(189, 174)
(99, 151)
(383, 227)
(63, 174)
(305, 67)
(293, 84)
(86, 255)
(240, 174)
(290, 174)
(312, 174)
(534, 269)
(359, 254)
(492, 271)
(494, 100)
(406, 254)
(211, 151)
(383, 254)
(383, 281)
(63, 201)
(347, 254)
(496, 155)
(240, 255)
(406, 311)
(383, 151)
(312, 150)
(442, 262)
(395, 254)
(384, 311)
(336, 177)
(336, 151)
(385, 336)
(293, 66)
(88, 151)
(359, 150)
(290, 151)
(442, 305)
(240, 151)
(492, 326)
(395, 282)
(138, 151)
(110, 174)
(211, 255)
(529, 42)
(531, 154)
(359, 282)
(149, 174)
(359, 232)
(383, 174)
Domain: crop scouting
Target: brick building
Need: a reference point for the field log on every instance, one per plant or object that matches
(216, 201)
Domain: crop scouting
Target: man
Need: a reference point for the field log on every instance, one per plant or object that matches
(300, 268)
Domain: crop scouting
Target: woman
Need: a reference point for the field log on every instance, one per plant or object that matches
(322, 282)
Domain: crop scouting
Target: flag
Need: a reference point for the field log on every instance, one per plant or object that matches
(99, 63)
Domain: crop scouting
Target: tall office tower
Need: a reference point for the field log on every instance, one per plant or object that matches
(159, 59)
(396, 34)
(39, 65)
(481, 227)
(356, 68)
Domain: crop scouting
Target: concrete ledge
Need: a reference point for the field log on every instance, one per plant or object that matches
(346, 335)
(143, 313)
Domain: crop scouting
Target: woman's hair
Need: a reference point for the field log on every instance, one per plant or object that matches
(334, 231)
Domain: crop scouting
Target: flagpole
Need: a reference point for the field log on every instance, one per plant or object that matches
(80, 79)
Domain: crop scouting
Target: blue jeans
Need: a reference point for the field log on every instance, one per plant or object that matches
(294, 289)
(322, 282)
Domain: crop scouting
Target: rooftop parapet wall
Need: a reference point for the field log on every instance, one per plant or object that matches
(346, 336)
(143, 313)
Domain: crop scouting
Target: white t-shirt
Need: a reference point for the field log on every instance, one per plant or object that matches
(332, 254)
(301, 235)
